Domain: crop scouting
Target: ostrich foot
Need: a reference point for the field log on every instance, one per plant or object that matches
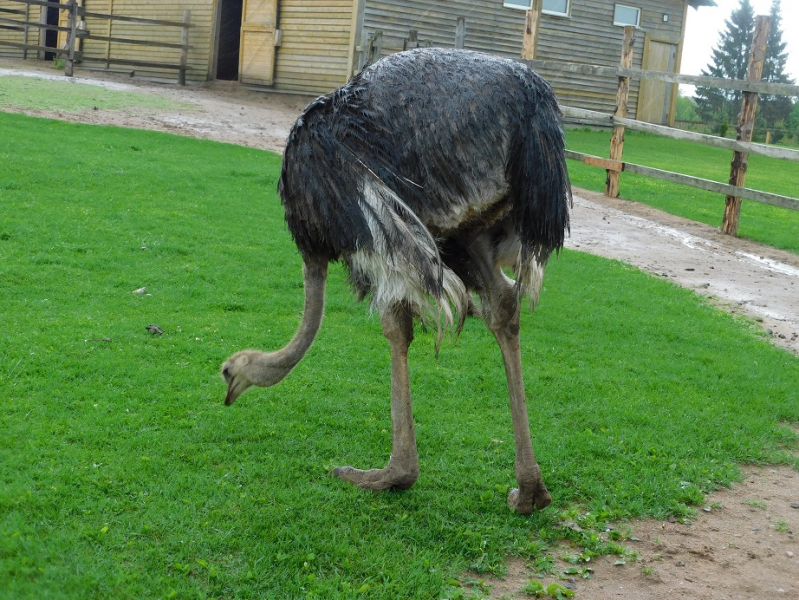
(389, 478)
(530, 497)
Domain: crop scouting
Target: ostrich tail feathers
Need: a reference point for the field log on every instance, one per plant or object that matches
(540, 187)
(403, 263)
(530, 278)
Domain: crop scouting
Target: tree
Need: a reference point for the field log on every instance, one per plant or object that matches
(686, 108)
(793, 119)
(775, 110)
(730, 61)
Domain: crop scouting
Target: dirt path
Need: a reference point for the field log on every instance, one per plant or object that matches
(744, 277)
(746, 545)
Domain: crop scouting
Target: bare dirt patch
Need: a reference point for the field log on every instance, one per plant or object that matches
(746, 545)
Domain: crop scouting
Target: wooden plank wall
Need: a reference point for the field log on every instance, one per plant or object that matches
(200, 36)
(18, 37)
(314, 51)
(98, 27)
(589, 36)
(490, 27)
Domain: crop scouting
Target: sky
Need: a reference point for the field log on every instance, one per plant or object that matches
(706, 23)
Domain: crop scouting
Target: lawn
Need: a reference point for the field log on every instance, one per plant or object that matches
(122, 475)
(770, 225)
(22, 92)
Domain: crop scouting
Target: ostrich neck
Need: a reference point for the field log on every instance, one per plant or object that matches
(315, 274)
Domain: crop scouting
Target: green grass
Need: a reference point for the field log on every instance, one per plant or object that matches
(122, 475)
(20, 92)
(767, 224)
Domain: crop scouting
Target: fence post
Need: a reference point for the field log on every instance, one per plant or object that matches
(374, 47)
(746, 121)
(412, 41)
(460, 33)
(42, 32)
(25, 38)
(184, 51)
(622, 94)
(531, 24)
(72, 22)
(110, 34)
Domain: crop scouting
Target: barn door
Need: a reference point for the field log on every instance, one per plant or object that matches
(655, 97)
(257, 55)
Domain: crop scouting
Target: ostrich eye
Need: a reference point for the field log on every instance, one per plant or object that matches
(226, 373)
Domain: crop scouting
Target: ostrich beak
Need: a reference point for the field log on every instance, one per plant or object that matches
(235, 388)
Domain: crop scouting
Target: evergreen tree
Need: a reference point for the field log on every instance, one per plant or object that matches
(775, 110)
(730, 61)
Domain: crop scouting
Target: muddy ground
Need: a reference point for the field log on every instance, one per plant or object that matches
(745, 544)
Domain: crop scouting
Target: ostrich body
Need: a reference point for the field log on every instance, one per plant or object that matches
(426, 175)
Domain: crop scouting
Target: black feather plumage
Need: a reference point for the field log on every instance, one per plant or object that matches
(419, 151)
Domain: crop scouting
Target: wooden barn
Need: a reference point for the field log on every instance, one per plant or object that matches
(314, 46)
(591, 31)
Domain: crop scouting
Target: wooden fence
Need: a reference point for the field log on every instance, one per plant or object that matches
(735, 190)
(75, 32)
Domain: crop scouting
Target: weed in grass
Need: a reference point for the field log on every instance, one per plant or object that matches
(544, 565)
(756, 503)
(533, 549)
(616, 535)
(781, 526)
(490, 564)
(636, 387)
(583, 572)
(554, 590)
(478, 587)
(711, 507)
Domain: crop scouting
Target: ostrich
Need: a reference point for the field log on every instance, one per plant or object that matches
(426, 174)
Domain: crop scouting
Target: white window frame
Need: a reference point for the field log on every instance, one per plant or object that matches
(518, 4)
(558, 13)
(637, 8)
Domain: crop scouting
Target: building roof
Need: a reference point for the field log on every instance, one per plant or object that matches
(698, 3)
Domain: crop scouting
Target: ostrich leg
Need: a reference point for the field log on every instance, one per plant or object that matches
(501, 313)
(403, 466)
(504, 324)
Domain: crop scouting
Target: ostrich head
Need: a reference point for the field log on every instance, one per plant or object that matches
(253, 367)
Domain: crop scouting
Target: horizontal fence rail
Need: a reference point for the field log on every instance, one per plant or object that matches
(45, 3)
(59, 51)
(20, 25)
(680, 134)
(763, 87)
(94, 15)
(696, 182)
